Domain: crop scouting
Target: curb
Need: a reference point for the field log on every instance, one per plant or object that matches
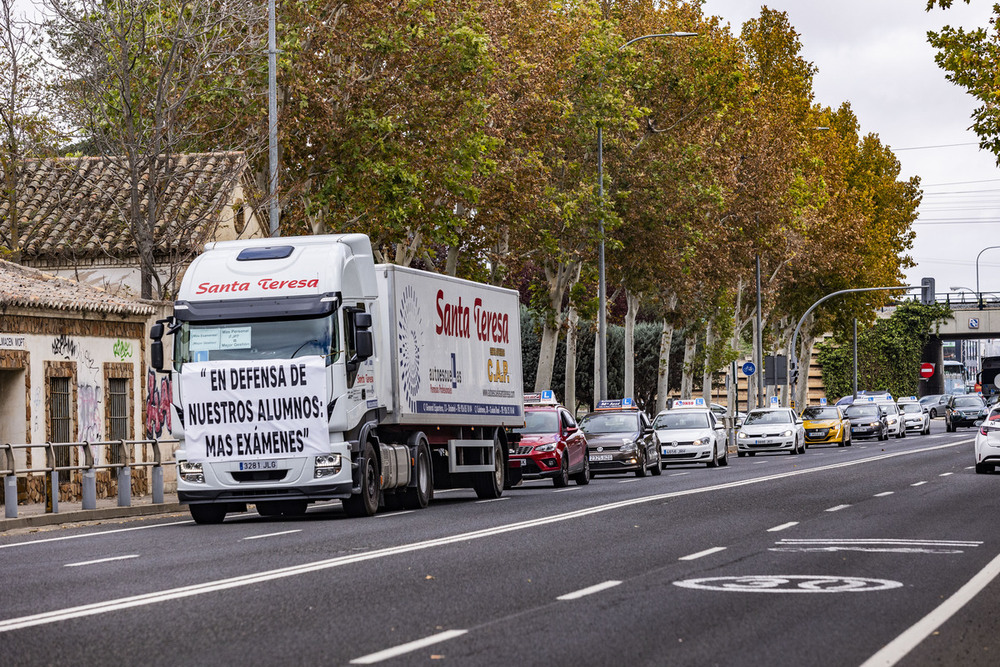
(89, 515)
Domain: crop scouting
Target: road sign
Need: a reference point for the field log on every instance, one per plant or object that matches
(973, 322)
(775, 402)
(926, 370)
(822, 400)
(749, 368)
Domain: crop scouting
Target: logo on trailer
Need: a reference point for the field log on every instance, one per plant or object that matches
(410, 322)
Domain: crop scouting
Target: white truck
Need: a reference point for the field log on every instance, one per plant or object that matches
(304, 372)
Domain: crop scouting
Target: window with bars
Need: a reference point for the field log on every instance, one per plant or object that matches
(118, 426)
(60, 419)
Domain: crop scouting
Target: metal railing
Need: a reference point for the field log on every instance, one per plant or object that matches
(123, 465)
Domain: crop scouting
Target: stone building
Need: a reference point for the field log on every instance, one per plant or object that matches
(72, 368)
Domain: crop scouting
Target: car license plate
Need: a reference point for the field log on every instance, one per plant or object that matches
(855, 430)
(815, 434)
(258, 465)
(600, 457)
(667, 451)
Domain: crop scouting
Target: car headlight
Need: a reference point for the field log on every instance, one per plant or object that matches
(551, 447)
(190, 472)
(787, 434)
(892, 420)
(874, 424)
(701, 441)
(742, 434)
(627, 447)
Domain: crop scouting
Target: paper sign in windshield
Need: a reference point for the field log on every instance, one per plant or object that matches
(246, 410)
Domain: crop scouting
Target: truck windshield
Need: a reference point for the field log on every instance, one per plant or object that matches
(266, 339)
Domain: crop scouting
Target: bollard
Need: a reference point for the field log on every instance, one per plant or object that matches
(158, 485)
(54, 491)
(10, 496)
(124, 486)
(90, 489)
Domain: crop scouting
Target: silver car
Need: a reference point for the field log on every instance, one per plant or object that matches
(771, 430)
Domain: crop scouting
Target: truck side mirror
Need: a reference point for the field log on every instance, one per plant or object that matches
(156, 347)
(364, 344)
(362, 320)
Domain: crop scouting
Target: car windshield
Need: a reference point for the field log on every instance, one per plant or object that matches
(862, 411)
(968, 402)
(609, 423)
(668, 420)
(818, 412)
(776, 417)
(539, 421)
(889, 408)
(911, 408)
(933, 398)
(262, 339)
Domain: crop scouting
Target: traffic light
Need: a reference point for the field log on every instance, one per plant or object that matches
(793, 373)
(927, 290)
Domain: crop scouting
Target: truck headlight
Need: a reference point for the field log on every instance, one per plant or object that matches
(327, 465)
(191, 472)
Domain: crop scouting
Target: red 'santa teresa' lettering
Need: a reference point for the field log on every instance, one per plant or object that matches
(263, 283)
(491, 326)
(453, 318)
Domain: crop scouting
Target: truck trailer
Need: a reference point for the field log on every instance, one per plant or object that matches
(303, 372)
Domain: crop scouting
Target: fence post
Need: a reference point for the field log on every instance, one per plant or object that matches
(157, 474)
(10, 484)
(124, 477)
(89, 479)
(52, 498)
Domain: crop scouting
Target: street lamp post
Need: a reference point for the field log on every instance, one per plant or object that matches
(602, 289)
(977, 263)
(962, 290)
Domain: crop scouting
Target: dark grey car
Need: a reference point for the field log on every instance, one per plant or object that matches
(621, 441)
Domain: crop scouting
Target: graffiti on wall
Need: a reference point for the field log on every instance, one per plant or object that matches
(64, 346)
(122, 349)
(89, 397)
(158, 397)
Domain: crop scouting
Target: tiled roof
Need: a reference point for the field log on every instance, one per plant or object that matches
(76, 207)
(22, 286)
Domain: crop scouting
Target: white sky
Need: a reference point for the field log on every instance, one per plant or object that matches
(874, 54)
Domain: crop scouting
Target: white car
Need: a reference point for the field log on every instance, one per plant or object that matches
(771, 430)
(691, 435)
(893, 419)
(916, 417)
(988, 442)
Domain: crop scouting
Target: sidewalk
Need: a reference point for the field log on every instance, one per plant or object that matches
(107, 508)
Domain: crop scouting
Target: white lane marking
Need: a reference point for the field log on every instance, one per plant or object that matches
(316, 566)
(783, 526)
(103, 532)
(874, 546)
(568, 488)
(884, 494)
(629, 481)
(678, 474)
(931, 543)
(757, 462)
(492, 500)
(100, 560)
(897, 649)
(918, 484)
(402, 649)
(945, 474)
(284, 532)
(702, 554)
(837, 508)
(400, 513)
(596, 588)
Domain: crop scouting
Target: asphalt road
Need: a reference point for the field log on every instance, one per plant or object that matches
(880, 553)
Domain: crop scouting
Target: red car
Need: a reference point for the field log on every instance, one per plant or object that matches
(551, 445)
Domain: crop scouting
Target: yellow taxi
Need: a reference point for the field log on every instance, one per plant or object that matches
(826, 424)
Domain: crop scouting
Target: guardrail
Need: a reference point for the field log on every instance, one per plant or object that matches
(968, 299)
(125, 449)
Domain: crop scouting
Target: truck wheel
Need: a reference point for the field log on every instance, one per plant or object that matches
(208, 514)
(417, 497)
(366, 502)
(489, 485)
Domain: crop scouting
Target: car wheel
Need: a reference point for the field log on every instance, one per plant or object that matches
(714, 461)
(582, 478)
(984, 468)
(927, 430)
(658, 468)
(751, 453)
(899, 434)
(933, 413)
(724, 461)
(641, 470)
(740, 455)
(562, 477)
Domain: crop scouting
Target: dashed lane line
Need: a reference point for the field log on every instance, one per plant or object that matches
(702, 554)
(784, 526)
(284, 532)
(409, 647)
(590, 590)
(101, 560)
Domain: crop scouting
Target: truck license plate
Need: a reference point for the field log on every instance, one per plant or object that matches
(600, 457)
(258, 465)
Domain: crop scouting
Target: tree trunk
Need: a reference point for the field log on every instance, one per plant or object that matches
(559, 279)
(662, 373)
(708, 371)
(687, 376)
(630, 316)
(569, 397)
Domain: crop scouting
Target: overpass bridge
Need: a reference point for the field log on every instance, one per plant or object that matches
(975, 315)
